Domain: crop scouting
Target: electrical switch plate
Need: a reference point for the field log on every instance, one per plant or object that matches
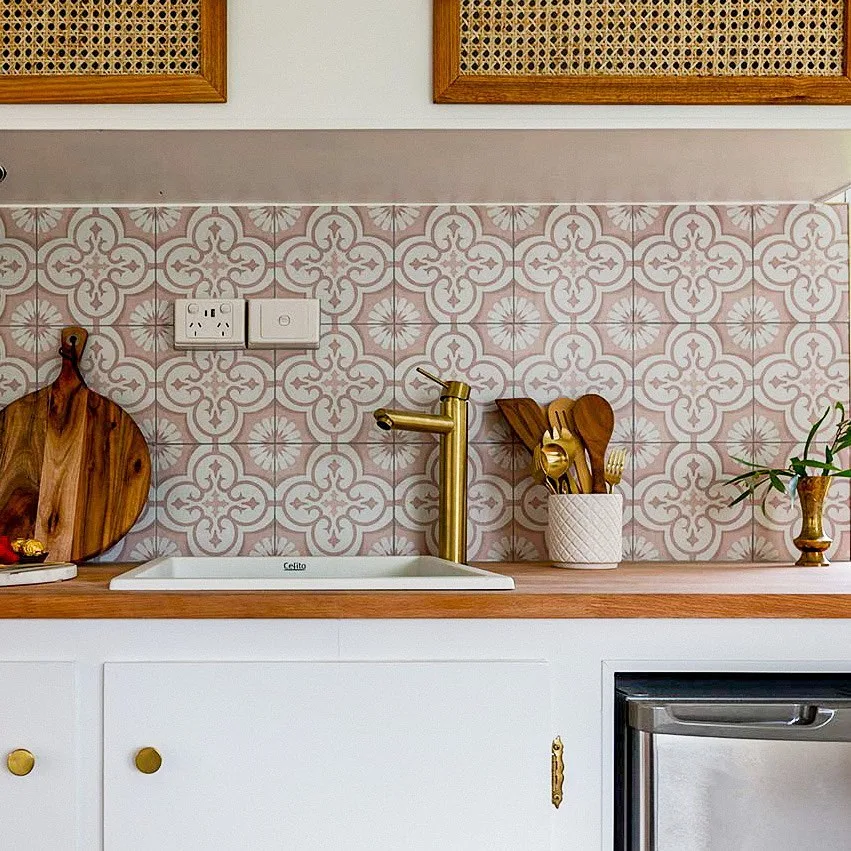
(283, 323)
(209, 323)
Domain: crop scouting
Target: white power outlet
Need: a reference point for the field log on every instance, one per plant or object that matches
(209, 323)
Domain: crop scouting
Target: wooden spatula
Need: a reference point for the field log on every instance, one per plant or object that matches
(594, 420)
(525, 418)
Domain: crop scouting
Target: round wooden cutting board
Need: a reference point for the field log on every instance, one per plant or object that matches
(74, 467)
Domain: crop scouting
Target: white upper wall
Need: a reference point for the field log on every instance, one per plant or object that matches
(295, 64)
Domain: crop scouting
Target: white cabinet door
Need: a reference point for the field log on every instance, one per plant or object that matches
(339, 755)
(38, 713)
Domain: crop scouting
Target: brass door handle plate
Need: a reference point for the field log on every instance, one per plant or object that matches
(148, 760)
(20, 762)
(558, 772)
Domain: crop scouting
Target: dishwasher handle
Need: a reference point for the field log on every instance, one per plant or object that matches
(735, 720)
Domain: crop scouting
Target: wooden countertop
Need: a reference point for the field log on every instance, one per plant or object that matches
(648, 590)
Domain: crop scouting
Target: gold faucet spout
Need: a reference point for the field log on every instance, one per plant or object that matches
(390, 420)
(451, 425)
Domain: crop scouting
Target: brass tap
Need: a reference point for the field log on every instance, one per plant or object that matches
(451, 425)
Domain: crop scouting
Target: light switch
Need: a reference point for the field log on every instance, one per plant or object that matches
(283, 323)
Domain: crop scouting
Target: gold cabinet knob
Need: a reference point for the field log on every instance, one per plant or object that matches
(20, 762)
(148, 760)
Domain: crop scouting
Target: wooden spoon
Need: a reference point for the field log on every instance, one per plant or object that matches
(594, 420)
(526, 419)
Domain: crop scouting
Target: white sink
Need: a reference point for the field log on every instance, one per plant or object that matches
(275, 573)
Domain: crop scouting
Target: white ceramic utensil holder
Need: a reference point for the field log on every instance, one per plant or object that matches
(585, 530)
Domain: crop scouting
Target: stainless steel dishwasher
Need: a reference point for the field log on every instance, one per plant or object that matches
(733, 762)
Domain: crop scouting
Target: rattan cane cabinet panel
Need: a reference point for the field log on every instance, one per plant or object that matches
(746, 51)
(112, 49)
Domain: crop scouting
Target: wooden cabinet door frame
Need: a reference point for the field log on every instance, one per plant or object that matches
(210, 85)
(453, 86)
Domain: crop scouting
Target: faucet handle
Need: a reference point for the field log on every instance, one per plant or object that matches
(434, 378)
(452, 389)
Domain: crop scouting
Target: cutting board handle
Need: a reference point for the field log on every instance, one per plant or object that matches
(73, 343)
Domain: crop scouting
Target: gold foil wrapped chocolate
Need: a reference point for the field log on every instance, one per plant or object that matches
(32, 547)
(28, 547)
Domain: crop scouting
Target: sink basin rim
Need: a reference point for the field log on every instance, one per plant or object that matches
(308, 573)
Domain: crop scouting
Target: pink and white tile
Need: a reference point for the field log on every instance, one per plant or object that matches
(329, 393)
(489, 498)
(801, 262)
(341, 255)
(681, 506)
(341, 504)
(17, 259)
(800, 371)
(692, 263)
(25, 327)
(214, 500)
(571, 360)
(693, 382)
(471, 353)
(18, 373)
(574, 262)
(216, 252)
(635, 218)
(95, 265)
(530, 518)
(739, 218)
(210, 396)
(453, 262)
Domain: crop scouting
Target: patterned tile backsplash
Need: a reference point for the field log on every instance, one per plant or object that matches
(713, 331)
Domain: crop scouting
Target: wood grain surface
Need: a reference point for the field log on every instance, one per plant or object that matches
(649, 590)
(526, 419)
(594, 421)
(74, 467)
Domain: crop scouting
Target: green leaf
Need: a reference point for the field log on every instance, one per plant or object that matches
(819, 465)
(743, 476)
(742, 496)
(798, 468)
(816, 426)
(777, 484)
(747, 463)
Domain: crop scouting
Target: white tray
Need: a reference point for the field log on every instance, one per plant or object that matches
(35, 574)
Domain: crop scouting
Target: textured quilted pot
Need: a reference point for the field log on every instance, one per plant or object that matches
(585, 530)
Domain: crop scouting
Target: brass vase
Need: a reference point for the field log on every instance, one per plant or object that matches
(811, 541)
